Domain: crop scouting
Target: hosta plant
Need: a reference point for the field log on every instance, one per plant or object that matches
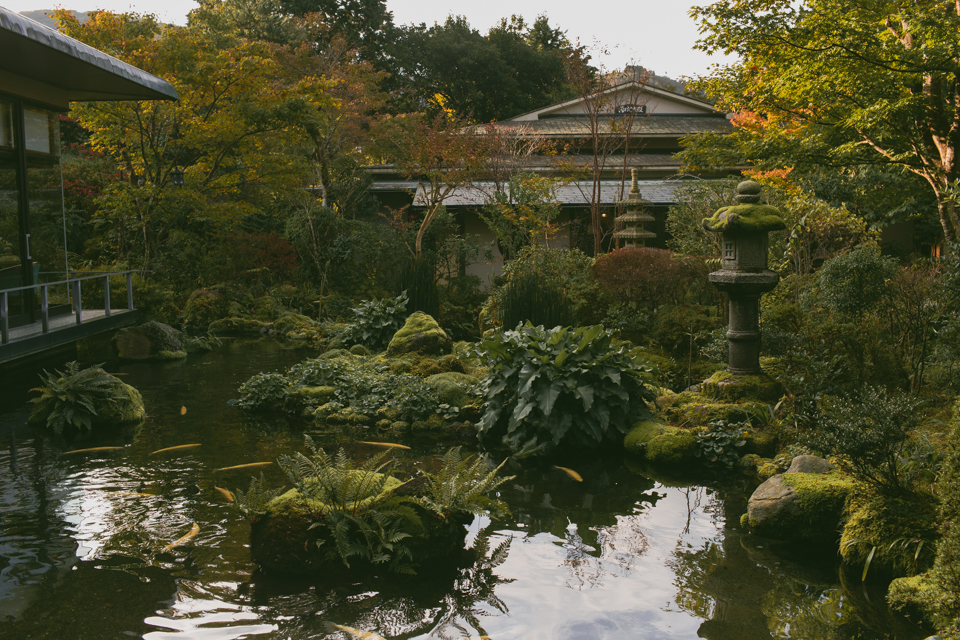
(562, 386)
(375, 322)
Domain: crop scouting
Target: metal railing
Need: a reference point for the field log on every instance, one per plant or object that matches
(73, 285)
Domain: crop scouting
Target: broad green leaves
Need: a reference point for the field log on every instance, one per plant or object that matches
(549, 387)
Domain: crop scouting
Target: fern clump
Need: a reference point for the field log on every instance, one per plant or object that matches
(462, 486)
(253, 503)
(341, 512)
(81, 399)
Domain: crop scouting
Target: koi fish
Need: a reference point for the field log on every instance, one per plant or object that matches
(179, 446)
(226, 493)
(356, 633)
(67, 453)
(388, 445)
(570, 472)
(183, 411)
(194, 530)
(249, 465)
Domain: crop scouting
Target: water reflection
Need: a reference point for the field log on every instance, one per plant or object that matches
(617, 555)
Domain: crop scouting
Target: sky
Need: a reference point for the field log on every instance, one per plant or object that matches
(657, 34)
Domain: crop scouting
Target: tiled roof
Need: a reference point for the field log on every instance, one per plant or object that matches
(573, 194)
(579, 126)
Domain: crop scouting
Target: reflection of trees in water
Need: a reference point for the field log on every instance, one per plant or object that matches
(619, 547)
(459, 613)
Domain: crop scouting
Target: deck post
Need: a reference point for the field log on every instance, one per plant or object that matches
(44, 309)
(130, 291)
(4, 319)
(106, 296)
(77, 309)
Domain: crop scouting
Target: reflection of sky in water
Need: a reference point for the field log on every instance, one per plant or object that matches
(624, 590)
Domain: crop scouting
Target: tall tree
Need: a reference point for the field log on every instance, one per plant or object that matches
(843, 84)
(442, 152)
(611, 105)
(235, 132)
(366, 26)
(513, 69)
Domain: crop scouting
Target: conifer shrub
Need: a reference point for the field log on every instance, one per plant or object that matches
(561, 386)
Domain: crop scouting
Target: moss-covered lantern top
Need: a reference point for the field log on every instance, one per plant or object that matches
(748, 215)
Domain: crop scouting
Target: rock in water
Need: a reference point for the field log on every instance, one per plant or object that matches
(149, 341)
(420, 334)
(800, 504)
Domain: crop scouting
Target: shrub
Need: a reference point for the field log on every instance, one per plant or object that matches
(375, 322)
(853, 283)
(937, 592)
(645, 277)
(529, 297)
(553, 386)
(361, 385)
(868, 433)
(420, 280)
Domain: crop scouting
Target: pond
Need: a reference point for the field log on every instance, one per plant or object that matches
(617, 555)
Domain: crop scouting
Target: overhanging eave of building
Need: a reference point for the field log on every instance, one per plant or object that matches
(45, 65)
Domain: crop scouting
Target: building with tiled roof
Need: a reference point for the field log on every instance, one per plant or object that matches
(660, 119)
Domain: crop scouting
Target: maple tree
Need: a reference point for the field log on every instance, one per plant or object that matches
(832, 83)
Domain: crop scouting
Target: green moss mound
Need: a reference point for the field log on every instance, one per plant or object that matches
(237, 326)
(731, 387)
(642, 432)
(420, 334)
(453, 388)
(673, 447)
(891, 528)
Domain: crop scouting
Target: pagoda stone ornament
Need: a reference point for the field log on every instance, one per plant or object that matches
(744, 277)
(631, 223)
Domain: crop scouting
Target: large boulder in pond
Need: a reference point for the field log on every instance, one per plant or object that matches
(149, 341)
(805, 503)
(420, 334)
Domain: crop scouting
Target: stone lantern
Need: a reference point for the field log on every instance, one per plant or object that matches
(631, 222)
(744, 277)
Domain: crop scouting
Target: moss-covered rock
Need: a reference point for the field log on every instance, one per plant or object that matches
(316, 396)
(237, 326)
(767, 470)
(333, 354)
(642, 432)
(732, 387)
(673, 447)
(452, 388)
(203, 307)
(891, 528)
(149, 341)
(794, 506)
(432, 423)
(452, 363)
(420, 334)
(325, 411)
(293, 326)
(126, 409)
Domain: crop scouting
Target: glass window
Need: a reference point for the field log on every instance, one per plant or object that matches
(42, 131)
(6, 125)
